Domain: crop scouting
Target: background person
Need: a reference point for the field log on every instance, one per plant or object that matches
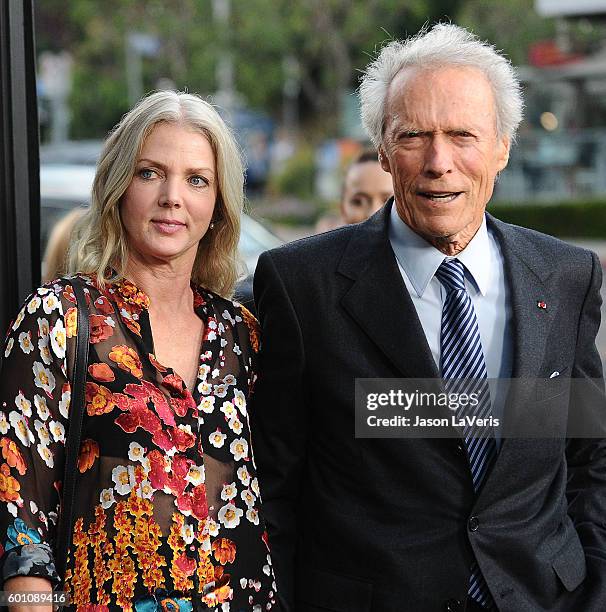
(366, 188)
(432, 286)
(167, 499)
(54, 262)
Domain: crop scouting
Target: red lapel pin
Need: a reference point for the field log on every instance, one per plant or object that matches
(542, 305)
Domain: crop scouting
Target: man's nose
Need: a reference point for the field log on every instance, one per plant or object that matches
(438, 157)
(170, 195)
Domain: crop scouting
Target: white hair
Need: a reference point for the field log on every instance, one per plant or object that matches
(444, 45)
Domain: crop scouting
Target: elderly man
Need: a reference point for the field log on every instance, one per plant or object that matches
(432, 287)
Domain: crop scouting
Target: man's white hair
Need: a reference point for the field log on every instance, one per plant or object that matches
(442, 46)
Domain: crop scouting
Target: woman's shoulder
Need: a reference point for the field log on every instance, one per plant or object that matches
(230, 312)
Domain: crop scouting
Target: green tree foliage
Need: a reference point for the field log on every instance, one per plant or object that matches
(332, 41)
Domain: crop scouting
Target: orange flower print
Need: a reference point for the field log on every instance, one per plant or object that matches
(71, 322)
(127, 359)
(253, 328)
(100, 328)
(104, 305)
(13, 456)
(224, 550)
(9, 487)
(99, 399)
(89, 451)
(101, 372)
(132, 294)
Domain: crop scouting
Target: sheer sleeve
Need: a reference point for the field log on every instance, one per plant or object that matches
(34, 396)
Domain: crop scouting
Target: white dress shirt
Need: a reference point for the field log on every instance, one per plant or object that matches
(485, 282)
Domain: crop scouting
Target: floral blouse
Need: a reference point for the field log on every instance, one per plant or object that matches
(167, 500)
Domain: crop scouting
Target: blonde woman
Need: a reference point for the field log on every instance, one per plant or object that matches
(167, 513)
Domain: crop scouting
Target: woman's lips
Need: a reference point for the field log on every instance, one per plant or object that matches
(167, 226)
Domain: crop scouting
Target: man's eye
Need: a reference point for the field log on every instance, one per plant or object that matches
(198, 181)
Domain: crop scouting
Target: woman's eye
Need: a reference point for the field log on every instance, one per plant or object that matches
(146, 173)
(198, 181)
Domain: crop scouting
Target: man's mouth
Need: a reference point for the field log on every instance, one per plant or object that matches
(440, 196)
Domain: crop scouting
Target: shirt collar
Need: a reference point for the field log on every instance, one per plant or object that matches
(420, 260)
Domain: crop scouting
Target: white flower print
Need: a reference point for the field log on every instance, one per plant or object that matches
(43, 347)
(223, 342)
(239, 449)
(18, 320)
(228, 409)
(43, 328)
(208, 404)
(107, 498)
(64, 402)
(43, 433)
(4, 426)
(124, 477)
(216, 373)
(253, 516)
(213, 527)
(217, 439)
(237, 350)
(229, 491)
(230, 379)
(33, 507)
(23, 404)
(203, 371)
(248, 498)
(21, 429)
(254, 485)
(58, 339)
(45, 453)
(33, 304)
(243, 475)
(25, 342)
(41, 407)
(236, 425)
(12, 508)
(205, 388)
(195, 475)
(49, 303)
(135, 452)
(57, 431)
(187, 533)
(145, 490)
(229, 516)
(220, 390)
(43, 378)
(240, 401)
(227, 316)
(9, 347)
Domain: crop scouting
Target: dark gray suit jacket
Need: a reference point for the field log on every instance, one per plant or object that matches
(383, 525)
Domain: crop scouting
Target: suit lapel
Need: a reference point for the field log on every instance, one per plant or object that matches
(379, 302)
(527, 273)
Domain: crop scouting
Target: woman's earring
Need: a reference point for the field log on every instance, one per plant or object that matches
(212, 224)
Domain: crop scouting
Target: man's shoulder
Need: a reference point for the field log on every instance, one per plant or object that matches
(552, 249)
(318, 248)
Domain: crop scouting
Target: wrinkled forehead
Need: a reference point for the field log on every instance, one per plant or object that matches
(445, 86)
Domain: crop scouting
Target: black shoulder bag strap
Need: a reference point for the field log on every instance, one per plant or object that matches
(76, 415)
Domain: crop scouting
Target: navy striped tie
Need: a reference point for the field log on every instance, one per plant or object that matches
(463, 369)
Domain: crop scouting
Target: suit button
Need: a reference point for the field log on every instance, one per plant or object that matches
(474, 523)
(453, 605)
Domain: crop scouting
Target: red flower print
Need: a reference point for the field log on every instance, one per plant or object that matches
(104, 305)
(101, 372)
(100, 329)
(186, 564)
(157, 473)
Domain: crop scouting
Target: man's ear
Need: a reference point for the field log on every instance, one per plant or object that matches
(503, 148)
(383, 160)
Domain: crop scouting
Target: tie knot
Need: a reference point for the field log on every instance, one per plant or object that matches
(451, 274)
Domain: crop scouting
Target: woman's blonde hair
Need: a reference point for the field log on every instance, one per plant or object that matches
(101, 248)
